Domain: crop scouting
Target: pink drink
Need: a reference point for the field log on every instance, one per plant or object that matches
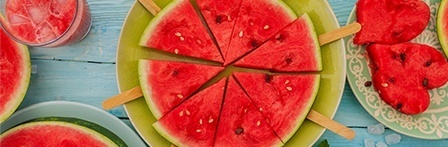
(47, 23)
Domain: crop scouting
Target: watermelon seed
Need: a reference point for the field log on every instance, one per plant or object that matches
(392, 80)
(289, 88)
(267, 78)
(198, 130)
(258, 123)
(254, 43)
(399, 105)
(425, 82)
(182, 38)
(261, 109)
(384, 84)
(178, 34)
(428, 63)
(368, 83)
(199, 41)
(239, 130)
(187, 112)
(200, 121)
(210, 120)
(266, 27)
(402, 56)
(245, 110)
(219, 19)
(240, 34)
(181, 113)
(287, 82)
(175, 73)
(180, 96)
(229, 18)
(288, 60)
(176, 51)
(279, 37)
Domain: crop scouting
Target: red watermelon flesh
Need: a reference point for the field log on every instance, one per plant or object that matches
(241, 123)
(403, 73)
(257, 21)
(165, 84)
(390, 21)
(177, 29)
(295, 48)
(15, 72)
(194, 122)
(220, 15)
(39, 21)
(283, 99)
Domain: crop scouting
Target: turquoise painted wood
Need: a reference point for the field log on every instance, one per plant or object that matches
(85, 72)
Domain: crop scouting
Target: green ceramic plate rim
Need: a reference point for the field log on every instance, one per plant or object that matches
(77, 110)
(329, 96)
(358, 94)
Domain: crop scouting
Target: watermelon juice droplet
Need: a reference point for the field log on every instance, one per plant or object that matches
(46, 23)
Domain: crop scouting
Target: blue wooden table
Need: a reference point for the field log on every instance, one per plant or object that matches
(85, 72)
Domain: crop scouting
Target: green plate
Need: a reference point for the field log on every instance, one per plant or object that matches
(327, 102)
(433, 123)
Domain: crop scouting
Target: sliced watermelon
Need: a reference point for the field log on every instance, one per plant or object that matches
(283, 99)
(15, 72)
(220, 16)
(166, 84)
(59, 131)
(241, 123)
(177, 29)
(390, 21)
(194, 122)
(257, 21)
(403, 73)
(442, 26)
(295, 48)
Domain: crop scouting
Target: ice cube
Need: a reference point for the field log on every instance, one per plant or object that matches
(369, 143)
(375, 129)
(393, 139)
(381, 144)
(38, 13)
(33, 69)
(15, 19)
(45, 33)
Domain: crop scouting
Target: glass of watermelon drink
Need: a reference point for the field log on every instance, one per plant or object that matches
(45, 23)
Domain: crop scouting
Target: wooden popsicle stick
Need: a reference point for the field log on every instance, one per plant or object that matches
(331, 125)
(151, 6)
(122, 98)
(339, 33)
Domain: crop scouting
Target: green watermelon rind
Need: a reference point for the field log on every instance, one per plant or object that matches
(143, 68)
(163, 132)
(285, 7)
(307, 108)
(442, 34)
(95, 130)
(147, 34)
(313, 32)
(21, 90)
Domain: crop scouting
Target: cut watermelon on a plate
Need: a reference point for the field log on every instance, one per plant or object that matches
(257, 21)
(15, 73)
(220, 16)
(293, 49)
(165, 84)
(283, 99)
(403, 73)
(178, 29)
(241, 123)
(390, 21)
(194, 122)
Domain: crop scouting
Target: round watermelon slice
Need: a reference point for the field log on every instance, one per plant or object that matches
(166, 84)
(442, 25)
(177, 29)
(15, 71)
(59, 131)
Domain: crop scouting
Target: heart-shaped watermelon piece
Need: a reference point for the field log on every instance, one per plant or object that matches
(403, 73)
(390, 21)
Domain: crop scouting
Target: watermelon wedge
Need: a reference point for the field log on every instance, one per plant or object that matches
(177, 29)
(257, 21)
(283, 99)
(241, 123)
(390, 21)
(15, 73)
(442, 26)
(403, 73)
(59, 131)
(194, 122)
(220, 16)
(293, 49)
(166, 84)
